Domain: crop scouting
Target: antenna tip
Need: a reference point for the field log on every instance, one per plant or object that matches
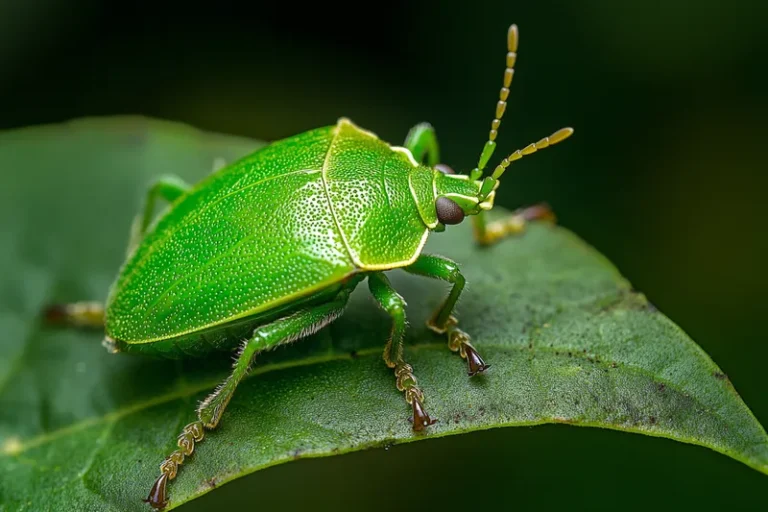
(560, 135)
(512, 38)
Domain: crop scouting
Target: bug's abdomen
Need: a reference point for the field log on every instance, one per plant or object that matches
(226, 336)
(254, 245)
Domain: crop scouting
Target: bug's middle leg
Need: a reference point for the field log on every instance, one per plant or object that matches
(283, 330)
(168, 188)
(443, 321)
(393, 303)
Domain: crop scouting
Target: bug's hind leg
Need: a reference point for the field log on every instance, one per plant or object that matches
(488, 233)
(393, 303)
(91, 314)
(283, 330)
(443, 321)
(87, 315)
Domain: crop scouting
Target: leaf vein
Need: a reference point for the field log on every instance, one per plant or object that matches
(187, 391)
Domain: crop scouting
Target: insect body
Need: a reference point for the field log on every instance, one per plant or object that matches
(296, 222)
(269, 248)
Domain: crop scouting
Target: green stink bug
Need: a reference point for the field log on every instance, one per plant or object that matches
(269, 248)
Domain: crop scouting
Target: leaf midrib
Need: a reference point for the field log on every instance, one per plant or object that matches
(186, 391)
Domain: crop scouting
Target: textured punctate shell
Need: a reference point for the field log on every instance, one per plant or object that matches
(292, 219)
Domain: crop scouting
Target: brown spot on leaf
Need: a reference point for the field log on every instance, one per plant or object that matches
(720, 375)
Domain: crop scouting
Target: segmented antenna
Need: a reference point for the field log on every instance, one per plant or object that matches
(501, 106)
(490, 181)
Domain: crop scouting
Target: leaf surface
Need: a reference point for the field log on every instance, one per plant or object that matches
(568, 339)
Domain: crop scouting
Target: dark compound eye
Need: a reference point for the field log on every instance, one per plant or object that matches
(448, 212)
(444, 169)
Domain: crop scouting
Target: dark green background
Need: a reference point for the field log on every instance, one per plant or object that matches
(666, 175)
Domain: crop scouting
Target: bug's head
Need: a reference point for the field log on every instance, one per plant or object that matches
(459, 195)
(456, 196)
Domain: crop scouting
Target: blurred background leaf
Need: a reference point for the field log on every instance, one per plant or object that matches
(665, 175)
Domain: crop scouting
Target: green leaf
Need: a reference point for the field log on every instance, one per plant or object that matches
(568, 339)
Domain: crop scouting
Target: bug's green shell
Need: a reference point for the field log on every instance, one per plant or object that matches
(290, 220)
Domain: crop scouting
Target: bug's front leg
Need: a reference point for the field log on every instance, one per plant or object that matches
(211, 409)
(422, 143)
(443, 321)
(488, 233)
(393, 303)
